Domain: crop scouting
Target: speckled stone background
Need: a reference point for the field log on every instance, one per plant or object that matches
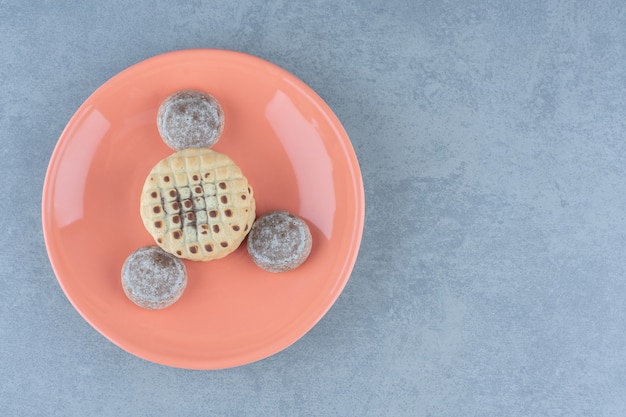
(491, 277)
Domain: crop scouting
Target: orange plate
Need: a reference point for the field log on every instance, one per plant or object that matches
(292, 149)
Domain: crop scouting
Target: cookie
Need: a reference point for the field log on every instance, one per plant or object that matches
(152, 278)
(197, 204)
(279, 241)
(190, 119)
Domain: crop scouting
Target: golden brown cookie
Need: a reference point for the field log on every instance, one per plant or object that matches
(197, 204)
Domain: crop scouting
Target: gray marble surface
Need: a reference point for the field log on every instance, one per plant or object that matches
(492, 142)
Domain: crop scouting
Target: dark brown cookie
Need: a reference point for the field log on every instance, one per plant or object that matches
(190, 119)
(279, 241)
(152, 278)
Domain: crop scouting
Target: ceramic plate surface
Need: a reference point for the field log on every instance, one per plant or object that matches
(292, 149)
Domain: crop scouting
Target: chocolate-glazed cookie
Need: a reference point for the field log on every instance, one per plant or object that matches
(152, 278)
(190, 119)
(279, 241)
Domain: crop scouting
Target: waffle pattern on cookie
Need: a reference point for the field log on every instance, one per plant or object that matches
(197, 204)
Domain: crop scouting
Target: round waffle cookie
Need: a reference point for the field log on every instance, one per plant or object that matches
(197, 204)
